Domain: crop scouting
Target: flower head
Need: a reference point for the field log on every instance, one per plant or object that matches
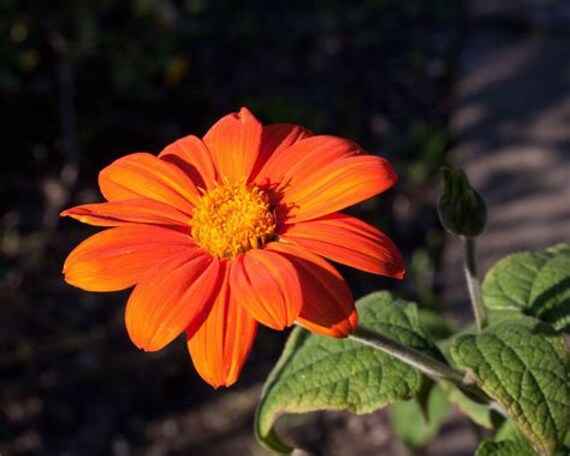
(221, 233)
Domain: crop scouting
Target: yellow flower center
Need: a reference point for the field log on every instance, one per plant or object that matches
(232, 218)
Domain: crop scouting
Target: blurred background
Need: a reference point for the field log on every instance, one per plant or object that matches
(421, 82)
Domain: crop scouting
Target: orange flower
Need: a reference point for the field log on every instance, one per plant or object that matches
(224, 232)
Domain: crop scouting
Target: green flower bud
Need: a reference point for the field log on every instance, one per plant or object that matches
(461, 209)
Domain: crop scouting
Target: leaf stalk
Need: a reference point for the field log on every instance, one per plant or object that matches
(431, 367)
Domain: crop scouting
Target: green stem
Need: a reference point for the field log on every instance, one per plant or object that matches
(431, 367)
(473, 283)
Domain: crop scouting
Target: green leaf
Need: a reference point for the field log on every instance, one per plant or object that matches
(523, 364)
(505, 448)
(509, 440)
(437, 327)
(317, 372)
(415, 427)
(509, 431)
(536, 283)
(478, 413)
(559, 248)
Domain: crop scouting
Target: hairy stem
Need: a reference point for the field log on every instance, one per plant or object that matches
(473, 283)
(431, 367)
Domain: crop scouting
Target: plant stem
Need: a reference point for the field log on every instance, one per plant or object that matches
(431, 367)
(473, 283)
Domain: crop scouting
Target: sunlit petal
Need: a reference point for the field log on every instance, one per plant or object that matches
(328, 305)
(219, 348)
(349, 241)
(234, 142)
(267, 285)
(142, 175)
(275, 138)
(115, 259)
(176, 294)
(303, 158)
(192, 156)
(128, 212)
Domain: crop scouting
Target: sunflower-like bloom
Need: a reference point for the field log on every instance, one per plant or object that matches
(221, 233)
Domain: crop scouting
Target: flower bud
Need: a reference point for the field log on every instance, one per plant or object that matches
(461, 209)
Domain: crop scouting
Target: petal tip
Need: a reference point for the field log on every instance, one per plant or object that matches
(353, 320)
(244, 113)
(75, 282)
(217, 384)
(392, 174)
(145, 344)
(74, 212)
(347, 327)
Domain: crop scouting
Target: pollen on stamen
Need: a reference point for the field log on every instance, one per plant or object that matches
(232, 218)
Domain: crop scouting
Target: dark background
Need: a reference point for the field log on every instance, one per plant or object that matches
(83, 83)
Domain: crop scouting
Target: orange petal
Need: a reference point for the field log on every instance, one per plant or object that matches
(328, 303)
(175, 294)
(303, 158)
(324, 174)
(267, 286)
(193, 157)
(276, 138)
(336, 186)
(349, 241)
(234, 143)
(143, 175)
(221, 345)
(128, 212)
(114, 259)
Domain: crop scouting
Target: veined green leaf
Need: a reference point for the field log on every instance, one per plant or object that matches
(317, 372)
(505, 448)
(535, 283)
(524, 365)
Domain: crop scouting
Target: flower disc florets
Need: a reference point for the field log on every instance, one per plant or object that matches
(232, 218)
